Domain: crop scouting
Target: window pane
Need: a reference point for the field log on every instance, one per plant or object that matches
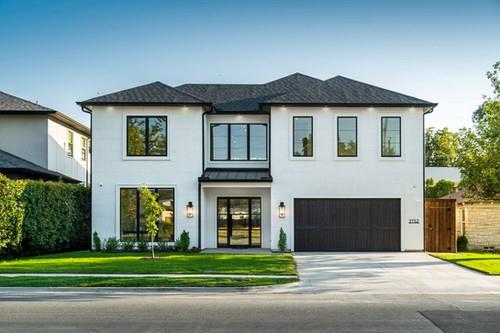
(238, 142)
(166, 223)
(255, 221)
(222, 211)
(136, 136)
(391, 133)
(347, 136)
(70, 143)
(302, 136)
(128, 213)
(258, 142)
(157, 145)
(219, 142)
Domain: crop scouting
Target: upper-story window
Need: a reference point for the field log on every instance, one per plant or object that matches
(391, 136)
(238, 142)
(347, 136)
(302, 136)
(84, 147)
(146, 136)
(70, 144)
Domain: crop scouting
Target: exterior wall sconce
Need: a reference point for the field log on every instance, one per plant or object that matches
(189, 209)
(282, 210)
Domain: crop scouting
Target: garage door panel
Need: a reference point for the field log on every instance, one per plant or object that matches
(347, 224)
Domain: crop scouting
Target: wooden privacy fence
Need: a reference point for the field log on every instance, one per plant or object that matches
(440, 233)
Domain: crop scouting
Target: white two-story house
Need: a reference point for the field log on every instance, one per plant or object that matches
(337, 164)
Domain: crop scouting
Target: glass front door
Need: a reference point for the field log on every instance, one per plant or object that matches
(238, 222)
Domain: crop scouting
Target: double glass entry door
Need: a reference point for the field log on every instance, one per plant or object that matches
(238, 222)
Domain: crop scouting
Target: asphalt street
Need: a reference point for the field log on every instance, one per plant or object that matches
(25, 310)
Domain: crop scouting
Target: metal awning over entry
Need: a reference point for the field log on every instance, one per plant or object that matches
(235, 175)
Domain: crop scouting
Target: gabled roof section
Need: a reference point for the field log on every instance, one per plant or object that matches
(13, 104)
(15, 164)
(152, 93)
(340, 90)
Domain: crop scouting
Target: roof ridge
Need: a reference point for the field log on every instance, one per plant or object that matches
(181, 92)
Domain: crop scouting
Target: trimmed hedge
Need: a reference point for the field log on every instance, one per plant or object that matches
(43, 217)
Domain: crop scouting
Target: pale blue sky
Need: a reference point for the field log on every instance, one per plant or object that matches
(58, 52)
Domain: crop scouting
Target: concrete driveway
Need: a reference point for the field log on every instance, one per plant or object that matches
(387, 273)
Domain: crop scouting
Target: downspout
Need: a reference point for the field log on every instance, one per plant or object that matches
(202, 171)
(426, 111)
(87, 110)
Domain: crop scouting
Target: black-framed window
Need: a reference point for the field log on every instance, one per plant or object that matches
(303, 136)
(147, 136)
(238, 142)
(132, 222)
(391, 136)
(347, 136)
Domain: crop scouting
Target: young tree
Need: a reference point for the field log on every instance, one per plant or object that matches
(441, 147)
(479, 151)
(152, 213)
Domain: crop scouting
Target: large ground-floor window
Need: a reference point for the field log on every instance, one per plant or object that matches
(132, 222)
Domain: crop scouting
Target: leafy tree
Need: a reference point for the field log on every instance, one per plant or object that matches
(479, 151)
(440, 189)
(152, 213)
(441, 147)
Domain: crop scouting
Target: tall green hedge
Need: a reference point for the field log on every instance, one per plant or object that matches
(48, 217)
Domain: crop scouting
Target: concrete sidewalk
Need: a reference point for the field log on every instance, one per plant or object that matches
(222, 276)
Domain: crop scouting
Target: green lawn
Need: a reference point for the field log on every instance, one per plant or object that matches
(134, 263)
(137, 282)
(488, 263)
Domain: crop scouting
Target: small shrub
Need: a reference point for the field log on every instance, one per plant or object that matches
(111, 244)
(462, 243)
(128, 245)
(282, 241)
(182, 244)
(97, 241)
(142, 245)
(163, 246)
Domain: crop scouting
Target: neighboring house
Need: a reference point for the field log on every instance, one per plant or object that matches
(338, 164)
(44, 137)
(15, 167)
(479, 220)
(447, 173)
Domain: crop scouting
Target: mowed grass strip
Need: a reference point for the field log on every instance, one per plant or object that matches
(134, 263)
(157, 282)
(488, 263)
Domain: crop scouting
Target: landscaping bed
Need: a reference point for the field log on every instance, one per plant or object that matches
(488, 263)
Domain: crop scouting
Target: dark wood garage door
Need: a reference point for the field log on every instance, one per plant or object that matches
(347, 224)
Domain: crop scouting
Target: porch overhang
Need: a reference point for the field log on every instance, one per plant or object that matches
(241, 175)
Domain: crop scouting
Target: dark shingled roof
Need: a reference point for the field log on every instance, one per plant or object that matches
(341, 90)
(236, 175)
(10, 163)
(152, 93)
(9, 103)
(289, 90)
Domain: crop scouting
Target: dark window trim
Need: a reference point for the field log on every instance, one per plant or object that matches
(228, 159)
(146, 134)
(338, 139)
(226, 199)
(312, 136)
(382, 137)
(138, 214)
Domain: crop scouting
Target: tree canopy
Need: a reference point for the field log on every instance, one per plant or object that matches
(440, 147)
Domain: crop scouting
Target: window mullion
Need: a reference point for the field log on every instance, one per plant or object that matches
(229, 142)
(248, 142)
(147, 135)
